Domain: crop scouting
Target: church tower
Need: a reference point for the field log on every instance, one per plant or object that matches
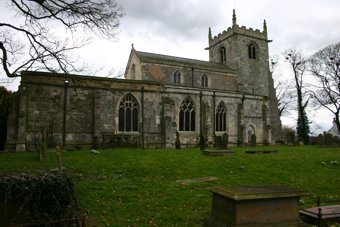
(245, 50)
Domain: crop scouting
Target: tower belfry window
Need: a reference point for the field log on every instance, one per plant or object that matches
(251, 51)
(223, 54)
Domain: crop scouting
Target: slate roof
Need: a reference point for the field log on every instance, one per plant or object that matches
(171, 60)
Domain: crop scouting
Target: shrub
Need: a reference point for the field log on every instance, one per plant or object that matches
(29, 198)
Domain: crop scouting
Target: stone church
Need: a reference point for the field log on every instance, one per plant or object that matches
(162, 99)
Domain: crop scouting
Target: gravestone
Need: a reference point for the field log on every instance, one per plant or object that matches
(336, 141)
(218, 152)
(328, 139)
(290, 138)
(253, 140)
(59, 161)
(42, 151)
(177, 141)
(301, 142)
(202, 142)
(321, 139)
(95, 142)
(225, 140)
(218, 142)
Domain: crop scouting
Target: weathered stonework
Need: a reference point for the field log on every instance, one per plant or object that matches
(85, 112)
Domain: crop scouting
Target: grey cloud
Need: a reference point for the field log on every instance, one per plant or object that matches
(174, 18)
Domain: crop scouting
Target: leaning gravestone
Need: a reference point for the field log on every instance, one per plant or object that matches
(177, 141)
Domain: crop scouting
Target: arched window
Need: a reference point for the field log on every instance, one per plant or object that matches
(128, 114)
(187, 116)
(204, 81)
(223, 54)
(221, 118)
(133, 72)
(177, 77)
(251, 51)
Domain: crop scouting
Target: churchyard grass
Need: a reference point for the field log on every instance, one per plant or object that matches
(133, 187)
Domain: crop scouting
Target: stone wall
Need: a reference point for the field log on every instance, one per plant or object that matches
(92, 106)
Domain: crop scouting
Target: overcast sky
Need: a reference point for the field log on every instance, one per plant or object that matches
(180, 28)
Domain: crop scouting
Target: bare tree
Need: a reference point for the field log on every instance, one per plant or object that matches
(28, 43)
(283, 88)
(298, 66)
(325, 67)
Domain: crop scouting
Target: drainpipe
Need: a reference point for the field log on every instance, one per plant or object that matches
(214, 116)
(64, 114)
(142, 125)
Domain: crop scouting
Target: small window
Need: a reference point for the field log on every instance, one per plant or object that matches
(204, 81)
(128, 114)
(223, 54)
(187, 116)
(251, 51)
(177, 77)
(220, 118)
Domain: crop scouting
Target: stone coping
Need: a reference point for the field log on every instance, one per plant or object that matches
(239, 193)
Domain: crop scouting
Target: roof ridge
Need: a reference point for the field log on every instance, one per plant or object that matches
(172, 56)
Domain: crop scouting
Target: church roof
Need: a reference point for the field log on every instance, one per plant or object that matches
(171, 60)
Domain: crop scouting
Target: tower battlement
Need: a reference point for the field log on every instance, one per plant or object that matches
(250, 32)
(237, 30)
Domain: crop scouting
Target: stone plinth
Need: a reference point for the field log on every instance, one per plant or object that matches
(255, 206)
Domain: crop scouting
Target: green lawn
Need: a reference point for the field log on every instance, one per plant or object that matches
(125, 187)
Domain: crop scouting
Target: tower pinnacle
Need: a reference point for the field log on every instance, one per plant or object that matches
(234, 18)
(209, 35)
(264, 26)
